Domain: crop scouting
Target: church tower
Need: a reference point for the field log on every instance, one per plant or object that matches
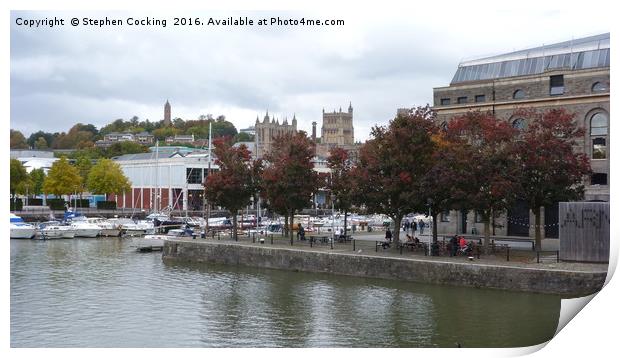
(167, 111)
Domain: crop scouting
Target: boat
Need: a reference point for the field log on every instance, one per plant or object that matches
(175, 234)
(21, 229)
(108, 228)
(55, 230)
(136, 227)
(83, 228)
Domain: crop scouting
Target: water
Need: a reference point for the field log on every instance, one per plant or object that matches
(101, 293)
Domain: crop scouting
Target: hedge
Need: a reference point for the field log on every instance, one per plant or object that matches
(106, 205)
(56, 204)
(17, 204)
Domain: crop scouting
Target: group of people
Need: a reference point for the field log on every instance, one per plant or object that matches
(414, 226)
(388, 239)
(458, 244)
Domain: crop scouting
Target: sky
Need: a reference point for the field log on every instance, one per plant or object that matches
(381, 59)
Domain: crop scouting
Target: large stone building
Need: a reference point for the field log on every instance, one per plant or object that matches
(573, 75)
(167, 114)
(338, 127)
(268, 130)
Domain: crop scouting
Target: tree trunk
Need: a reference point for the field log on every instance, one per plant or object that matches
(292, 223)
(487, 233)
(537, 233)
(396, 233)
(285, 227)
(234, 222)
(434, 228)
(345, 223)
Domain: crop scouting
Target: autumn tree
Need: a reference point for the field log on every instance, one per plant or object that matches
(489, 182)
(35, 141)
(62, 178)
(37, 177)
(107, 177)
(18, 177)
(342, 183)
(289, 179)
(392, 164)
(233, 186)
(18, 141)
(550, 168)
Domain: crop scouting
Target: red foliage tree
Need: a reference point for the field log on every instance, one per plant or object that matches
(488, 185)
(289, 180)
(551, 170)
(342, 184)
(392, 164)
(236, 182)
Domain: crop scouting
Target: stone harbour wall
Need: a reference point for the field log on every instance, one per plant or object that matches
(470, 274)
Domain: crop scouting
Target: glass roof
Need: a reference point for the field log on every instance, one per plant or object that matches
(589, 52)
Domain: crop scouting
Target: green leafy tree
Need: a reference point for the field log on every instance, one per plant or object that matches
(83, 165)
(243, 137)
(162, 133)
(121, 148)
(550, 168)
(62, 178)
(37, 177)
(18, 141)
(233, 186)
(41, 143)
(34, 138)
(107, 177)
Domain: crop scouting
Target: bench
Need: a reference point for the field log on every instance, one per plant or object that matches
(501, 239)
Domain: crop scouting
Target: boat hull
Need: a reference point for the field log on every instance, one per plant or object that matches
(22, 232)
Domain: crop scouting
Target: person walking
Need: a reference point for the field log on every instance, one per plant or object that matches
(388, 235)
(414, 227)
(421, 226)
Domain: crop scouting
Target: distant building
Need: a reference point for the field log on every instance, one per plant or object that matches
(119, 137)
(249, 130)
(573, 75)
(167, 114)
(181, 138)
(270, 128)
(145, 138)
(34, 159)
(338, 127)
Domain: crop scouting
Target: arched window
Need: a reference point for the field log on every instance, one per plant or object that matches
(598, 87)
(519, 94)
(598, 124)
(519, 124)
(598, 134)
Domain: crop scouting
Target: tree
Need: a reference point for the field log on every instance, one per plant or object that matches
(62, 178)
(393, 163)
(162, 133)
(83, 165)
(489, 181)
(120, 148)
(18, 177)
(243, 137)
(34, 138)
(107, 177)
(289, 179)
(342, 183)
(550, 169)
(40, 143)
(233, 186)
(37, 177)
(18, 141)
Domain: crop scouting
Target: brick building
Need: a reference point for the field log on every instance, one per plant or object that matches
(573, 75)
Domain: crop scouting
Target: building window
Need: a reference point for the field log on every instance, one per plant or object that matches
(445, 101)
(519, 124)
(519, 94)
(599, 148)
(598, 179)
(556, 85)
(194, 175)
(598, 87)
(480, 98)
(461, 100)
(598, 124)
(445, 216)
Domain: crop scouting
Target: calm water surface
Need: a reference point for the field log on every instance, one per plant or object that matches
(101, 293)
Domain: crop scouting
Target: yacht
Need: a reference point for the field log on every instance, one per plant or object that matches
(139, 227)
(20, 229)
(108, 228)
(55, 230)
(83, 228)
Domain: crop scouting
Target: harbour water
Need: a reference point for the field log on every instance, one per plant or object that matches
(101, 293)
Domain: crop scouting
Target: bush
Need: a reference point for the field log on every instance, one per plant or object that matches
(35, 202)
(17, 204)
(81, 203)
(56, 204)
(106, 205)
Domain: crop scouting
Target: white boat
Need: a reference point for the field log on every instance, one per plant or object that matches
(108, 228)
(20, 229)
(174, 234)
(54, 230)
(83, 228)
(140, 227)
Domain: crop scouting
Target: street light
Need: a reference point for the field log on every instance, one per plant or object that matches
(333, 197)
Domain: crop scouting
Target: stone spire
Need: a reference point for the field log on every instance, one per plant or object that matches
(350, 107)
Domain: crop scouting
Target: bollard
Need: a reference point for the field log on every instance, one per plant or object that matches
(331, 243)
(291, 241)
(557, 255)
(311, 242)
(253, 238)
(508, 253)
(218, 236)
(272, 239)
(353, 245)
(401, 249)
(376, 245)
(537, 257)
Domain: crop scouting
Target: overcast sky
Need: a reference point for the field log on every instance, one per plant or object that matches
(380, 60)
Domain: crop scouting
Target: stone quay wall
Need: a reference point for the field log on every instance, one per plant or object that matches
(471, 274)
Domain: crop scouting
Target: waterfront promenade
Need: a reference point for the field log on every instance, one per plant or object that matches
(524, 271)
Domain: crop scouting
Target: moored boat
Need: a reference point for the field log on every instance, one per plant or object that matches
(21, 229)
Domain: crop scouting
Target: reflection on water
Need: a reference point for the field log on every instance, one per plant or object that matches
(101, 293)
